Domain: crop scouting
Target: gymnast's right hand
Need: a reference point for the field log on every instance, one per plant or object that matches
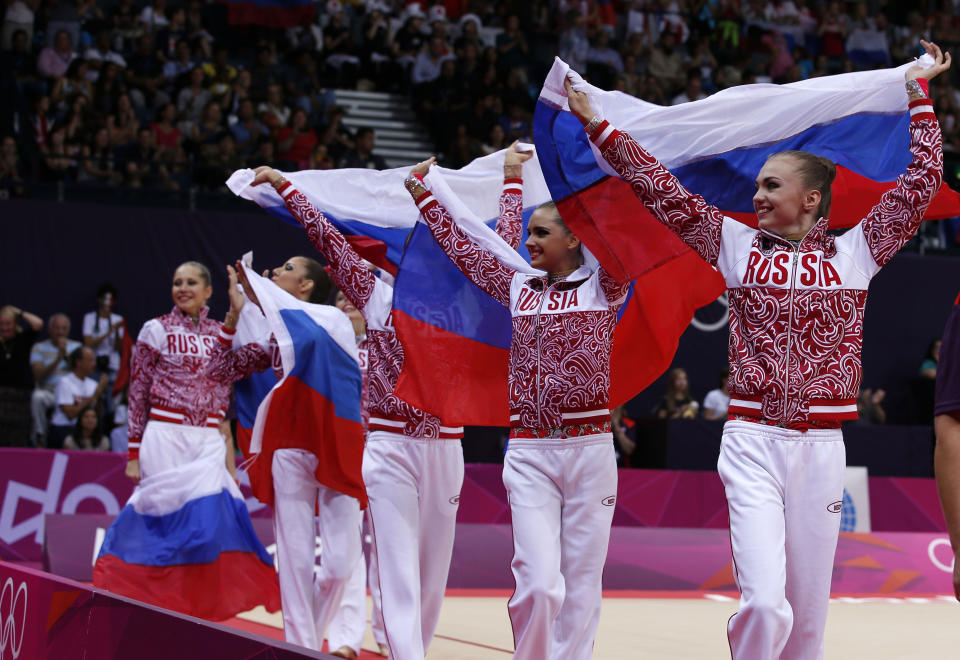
(265, 174)
(133, 469)
(579, 103)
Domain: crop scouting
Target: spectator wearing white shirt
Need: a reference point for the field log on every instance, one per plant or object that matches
(154, 16)
(97, 55)
(48, 361)
(74, 392)
(717, 401)
(692, 91)
(427, 66)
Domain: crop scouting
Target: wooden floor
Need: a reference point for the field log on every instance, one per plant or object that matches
(476, 627)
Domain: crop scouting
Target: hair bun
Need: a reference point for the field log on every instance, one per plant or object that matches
(830, 166)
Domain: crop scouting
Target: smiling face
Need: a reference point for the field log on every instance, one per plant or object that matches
(551, 245)
(190, 289)
(344, 305)
(781, 203)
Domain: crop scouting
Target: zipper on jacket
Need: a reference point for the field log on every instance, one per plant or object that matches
(536, 334)
(786, 370)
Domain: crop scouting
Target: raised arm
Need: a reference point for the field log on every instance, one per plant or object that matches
(226, 364)
(510, 220)
(348, 270)
(897, 216)
(146, 354)
(482, 267)
(697, 223)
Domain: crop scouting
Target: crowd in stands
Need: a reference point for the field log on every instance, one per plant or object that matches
(168, 94)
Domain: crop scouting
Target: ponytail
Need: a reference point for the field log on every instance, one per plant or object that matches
(817, 173)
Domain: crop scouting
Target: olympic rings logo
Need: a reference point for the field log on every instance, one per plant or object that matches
(10, 611)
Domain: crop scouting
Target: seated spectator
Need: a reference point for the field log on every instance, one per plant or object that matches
(145, 75)
(48, 360)
(222, 161)
(182, 63)
(168, 136)
(142, 164)
(666, 63)
(320, 158)
(429, 61)
(265, 153)
(692, 91)
(19, 17)
(677, 402)
(9, 160)
(205, 134)
(717, 401)
(154, 16)
(22, 64)
(123, 123)
(59, 158)
(74, 83)
(496, 139)
(18, 331)
(168, 37)
(41, 120)
(296, 140)
(409, 40)
(75, 391)
(377, 47)
(98, 164)
(53, 61)
(247, 128)
(274, 112)
(603, 62)
(362, 154)
(574, 45)
(928, 368)
(193, 100)
(86, 433)
(101, 53)
(342, 55)
(870, 408)
(512, 48)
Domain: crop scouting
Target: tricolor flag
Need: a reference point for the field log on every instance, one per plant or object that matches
(316, 404)
(184, 541)
(270, 13)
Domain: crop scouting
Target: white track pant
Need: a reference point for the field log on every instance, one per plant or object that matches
(350, 621)
(309, 601)
(784, 489)
(562, 495)
(413, 486)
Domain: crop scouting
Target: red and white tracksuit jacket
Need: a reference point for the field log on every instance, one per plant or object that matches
(169, 381)
(562, 332)
(796, 310)
(374, 298)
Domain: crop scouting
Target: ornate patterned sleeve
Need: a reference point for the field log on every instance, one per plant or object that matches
(897, 216)
(697, 223)
(615, 291)
(143, 367)
(347, 268)
(481, 266)
(228, 365)
(510, 220)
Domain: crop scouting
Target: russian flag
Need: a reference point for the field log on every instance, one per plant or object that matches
(271, 13)
(715, 147)
(316, 405)
(184, 540)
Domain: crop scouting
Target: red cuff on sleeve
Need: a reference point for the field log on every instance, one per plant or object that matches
(133, 453)
(924, 85)
(284, 188)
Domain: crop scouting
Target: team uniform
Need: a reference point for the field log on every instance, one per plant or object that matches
(173, 420)
(948, 368)
(796, 332)
(560, 469)
(412, 463)
(299, 487)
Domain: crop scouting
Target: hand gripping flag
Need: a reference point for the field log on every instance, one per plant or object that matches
(316, 404)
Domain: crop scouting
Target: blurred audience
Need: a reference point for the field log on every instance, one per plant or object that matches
(717, 401)
(48, 361)
(75, 391)
(18, 331)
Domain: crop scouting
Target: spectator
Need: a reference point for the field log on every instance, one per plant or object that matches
(168, 37)
(9, 160)
(192, 100)
(86, 432)
(512, 48)
(429, 61)
(339, 46)
(265, 154)
(574, 45)
(362, 154)
(376, 52)
(101, 53)
(870, 408)
(496, 139)
(666, 63)
(123, 124)
(145, 75)
(274, 113)
(296, 140)
(410, 39)
(692, 91)
(142, 164)
(21, 62)
(18, 331)
(73, 83)
(928, 368)
(75, 391)
(622, 442)
(54, 61)
(180, 65)
(603, 62)
(677, 402)
(48, 361)
(109, 88)
(103, 331)
(247, 128)
(154, 16)
(19, 17)
(59, 159)
(41, 119)
(168, 136)
(717, 401)
(205, 134)
(99, 165)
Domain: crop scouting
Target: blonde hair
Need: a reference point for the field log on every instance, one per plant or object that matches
(816, 172)
(204, 271)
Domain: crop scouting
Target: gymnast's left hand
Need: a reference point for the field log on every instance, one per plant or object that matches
(579, 103)
(423, 167)
(941, 62)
